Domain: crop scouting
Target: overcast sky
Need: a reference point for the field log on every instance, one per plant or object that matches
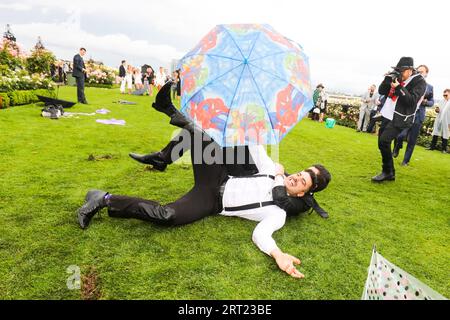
(351, 44)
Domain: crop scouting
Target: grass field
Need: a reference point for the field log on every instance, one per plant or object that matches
(45, 173)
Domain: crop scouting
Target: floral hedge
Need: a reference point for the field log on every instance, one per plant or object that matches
(20, 79)
(21, 72)
(99, 75)
(348, 115)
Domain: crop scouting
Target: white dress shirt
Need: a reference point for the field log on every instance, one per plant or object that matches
(242, 191)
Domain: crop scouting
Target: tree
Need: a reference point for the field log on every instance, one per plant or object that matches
(40, 61)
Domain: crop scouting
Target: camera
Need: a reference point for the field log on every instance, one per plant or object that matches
(394, 75)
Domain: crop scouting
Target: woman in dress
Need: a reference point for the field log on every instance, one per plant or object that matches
(138, 79)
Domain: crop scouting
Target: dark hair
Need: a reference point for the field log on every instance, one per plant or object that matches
(123, 61)
(320, 180)
(84, 49)
(426, 68)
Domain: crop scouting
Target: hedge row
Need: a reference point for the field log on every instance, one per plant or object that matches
(21, 97)
(347, 116)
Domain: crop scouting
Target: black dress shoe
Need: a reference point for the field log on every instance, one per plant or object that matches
(384, 177)
(405, 164)
(153, 159)
(163, 102)
(95, 201)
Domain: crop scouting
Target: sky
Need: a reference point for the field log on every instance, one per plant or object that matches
(350, 44)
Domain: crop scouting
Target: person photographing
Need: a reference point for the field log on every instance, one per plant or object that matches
(404, 88)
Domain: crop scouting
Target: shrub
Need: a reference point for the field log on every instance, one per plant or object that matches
(21, 97)
(4, 100)
(40, 61)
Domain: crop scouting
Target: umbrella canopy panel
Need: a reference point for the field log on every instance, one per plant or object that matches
(245, 84)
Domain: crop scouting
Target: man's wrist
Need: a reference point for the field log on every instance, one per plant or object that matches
(276, 253)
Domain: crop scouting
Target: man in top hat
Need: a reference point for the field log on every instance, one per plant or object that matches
(404, 89)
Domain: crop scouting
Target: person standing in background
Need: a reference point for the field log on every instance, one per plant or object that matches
(129, 78)
(160, 78)
(369, 102)
(442, 123)
(323, 105)
(79, 73)
(149, 76)
(138, 79)
(122, 74)
(317, 100)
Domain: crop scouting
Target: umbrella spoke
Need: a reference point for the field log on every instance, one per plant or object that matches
(212, 55)
(262, 98)
(231, 103)
(234, 41)
(210, 82)
(272, 55)
(276, 77)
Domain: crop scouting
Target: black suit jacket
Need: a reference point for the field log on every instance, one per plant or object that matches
(78, 66)
(122, 71)
(408, 98)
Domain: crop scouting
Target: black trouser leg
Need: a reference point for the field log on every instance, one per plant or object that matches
(434, 142)
(201, 201)
(371, 121)
(176, 147)
(444, 144)
(400, 138)
(414, 133)
(137, 208)
(387, 134)
(80, 90)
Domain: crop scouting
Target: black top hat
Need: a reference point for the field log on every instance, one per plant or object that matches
(405, 63)
(320, 86)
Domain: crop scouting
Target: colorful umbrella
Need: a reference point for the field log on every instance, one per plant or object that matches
(386, 281)
(245, 84)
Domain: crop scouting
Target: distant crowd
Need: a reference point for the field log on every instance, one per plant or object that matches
(141, 81)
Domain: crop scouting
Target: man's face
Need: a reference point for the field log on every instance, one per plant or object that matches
(406, 74)
(300, 183)
(82, 52)
(423, 71)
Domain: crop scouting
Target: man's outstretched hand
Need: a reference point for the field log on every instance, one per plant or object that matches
(286, 263)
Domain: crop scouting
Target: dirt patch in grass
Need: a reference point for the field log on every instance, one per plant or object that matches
(101, 157)
(90, 285)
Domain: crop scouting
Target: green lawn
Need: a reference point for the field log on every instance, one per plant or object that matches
(45, 173)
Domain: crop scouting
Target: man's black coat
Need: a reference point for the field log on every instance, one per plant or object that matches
(78, 66)
(408, 98)
(122, 71)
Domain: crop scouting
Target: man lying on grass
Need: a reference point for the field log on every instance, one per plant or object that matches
(267, 197)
